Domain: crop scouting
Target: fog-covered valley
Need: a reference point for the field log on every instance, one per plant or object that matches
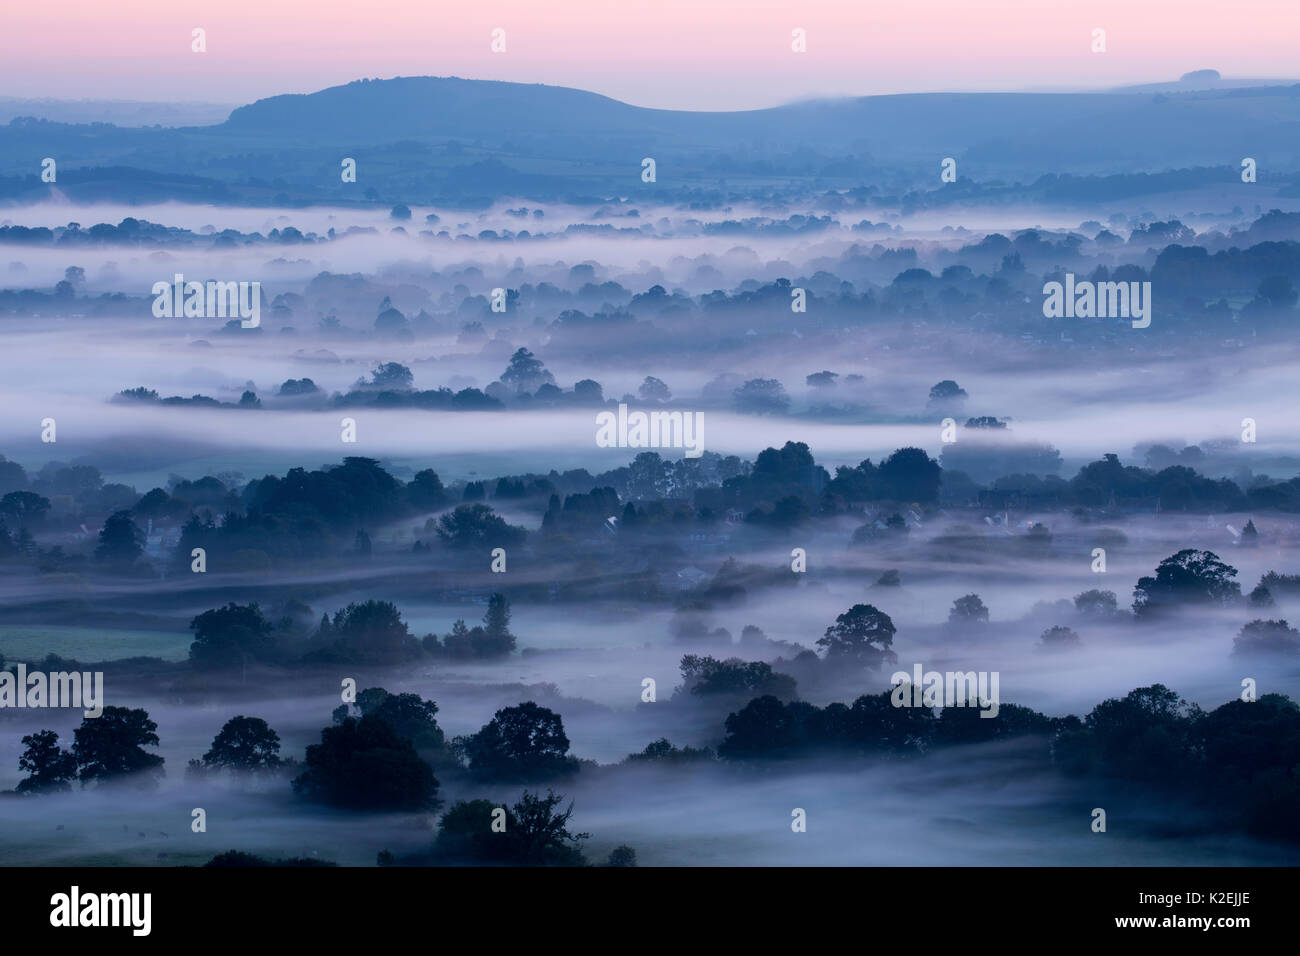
(392, 475)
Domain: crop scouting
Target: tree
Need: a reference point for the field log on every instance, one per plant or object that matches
(477, 526)
(654, 390)
(589, 392)
(534, 834)
(1058, 638)
(374, 631)
(1188, 577)
(498, 641)
(1147, 735)
(390, 320)
(1267, 637)
(51, 767)
(969, 609)
(707, 675)
(863, 634)
(523, 742)
(294, 387)
(245, 745)
(909, 474)
(526, 373)
(120, 541)
(1096, 603)
(765, 728)
(366, 765)
(231, 636)
(24, 507)
(1251, 749)
(400, 212)
(111, 746)
(947, 392)
(968, 725)
(465, 834)
(762, 396)
(540, 832)
(874, 724)
(425, 491)
(410, 715)
(392, 376)
(491, 639)
(621, 855)
(1261, 597)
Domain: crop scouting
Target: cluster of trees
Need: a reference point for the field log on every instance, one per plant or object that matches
(377, 754)
(365, 764)
(767, 728)
(708, 676)
(106, 749)
(526, 742)
(368, 633)
(306, 515)
(110, 749)
(1243, 757)
(532, 832)
(385, 757)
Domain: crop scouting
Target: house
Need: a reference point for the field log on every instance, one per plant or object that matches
(684, 579)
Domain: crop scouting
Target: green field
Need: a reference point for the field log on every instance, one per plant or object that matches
(33, 642)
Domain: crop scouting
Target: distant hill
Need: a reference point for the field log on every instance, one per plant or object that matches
(445, 139)
(1146, 131)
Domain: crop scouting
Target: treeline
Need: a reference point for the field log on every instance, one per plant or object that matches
(367, 633)
(324, 514)
(1238, 760)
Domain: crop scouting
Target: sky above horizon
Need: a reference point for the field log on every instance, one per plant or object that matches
(659, 53)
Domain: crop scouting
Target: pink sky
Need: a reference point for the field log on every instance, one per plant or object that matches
(684, 54)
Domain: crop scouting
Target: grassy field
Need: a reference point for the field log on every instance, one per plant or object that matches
(33, 642)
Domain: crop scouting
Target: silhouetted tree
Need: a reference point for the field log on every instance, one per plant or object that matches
(653, 390)
(1058, 638)
(232, 636)
(1187, 578)
(245, 745)
(477, 526)
(51, 768)
(862, 634)
(1267, 637)
(410, 715)
(968, 609)
(762, 396)
(523, 742)
(526, 373)
(111, 746)
(120, 541)
(366, 765)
